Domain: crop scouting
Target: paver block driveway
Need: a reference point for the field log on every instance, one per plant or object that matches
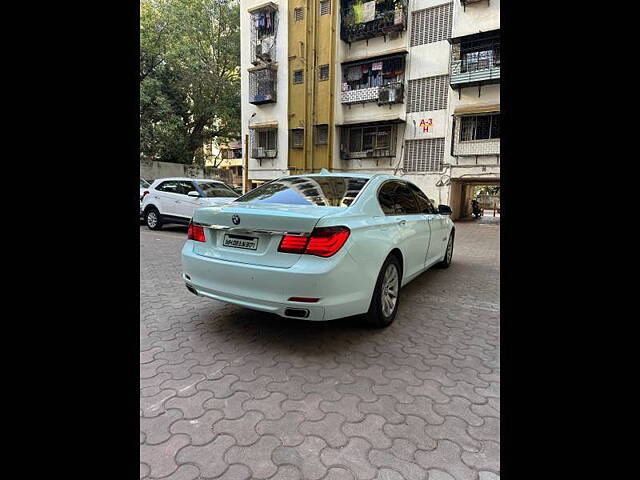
(235, 394)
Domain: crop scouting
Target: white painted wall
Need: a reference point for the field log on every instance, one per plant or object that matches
(270, 168)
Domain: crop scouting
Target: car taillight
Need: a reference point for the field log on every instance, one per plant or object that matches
(144, 194)
(323, 242)
(195, 232)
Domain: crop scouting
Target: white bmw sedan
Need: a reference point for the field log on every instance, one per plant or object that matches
(318, 247)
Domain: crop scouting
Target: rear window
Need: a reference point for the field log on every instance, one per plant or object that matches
(321, 191)
(216, 190)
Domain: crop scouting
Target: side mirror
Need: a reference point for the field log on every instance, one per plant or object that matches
(193, 193)
(444, 210)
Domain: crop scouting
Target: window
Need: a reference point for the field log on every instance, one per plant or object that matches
(267, 139)
(330, 191)
(431, 24)
(298, 76)
(424, 155)
(395, 198)
(386, 198)
(325, 7)
(217, 190)
(322, 134)
(480, 127)
(424, 204)
(376, 141)
(297, 138)
(405, 201)
(324, 72)
(427, 94)
(298, 14)
(170, 186)
(185, 187)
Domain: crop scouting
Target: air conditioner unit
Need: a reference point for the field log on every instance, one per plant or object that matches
(384, 95)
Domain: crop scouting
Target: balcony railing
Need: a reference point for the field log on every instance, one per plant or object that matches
(262, 86)
(371, 19)
(260, 152)
(465, 73)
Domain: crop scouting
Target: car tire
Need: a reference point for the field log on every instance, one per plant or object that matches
(153, 219)
(448, 255)
(381, 314)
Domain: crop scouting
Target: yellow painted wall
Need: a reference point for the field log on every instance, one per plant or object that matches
(311, 45)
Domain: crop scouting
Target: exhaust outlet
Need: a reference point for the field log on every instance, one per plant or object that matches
(296, 312)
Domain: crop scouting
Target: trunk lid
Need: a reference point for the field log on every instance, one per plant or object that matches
(256, 236)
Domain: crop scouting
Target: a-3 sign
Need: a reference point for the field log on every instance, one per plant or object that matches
(425, 124)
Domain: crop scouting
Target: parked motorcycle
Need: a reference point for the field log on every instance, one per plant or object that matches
(476, 210)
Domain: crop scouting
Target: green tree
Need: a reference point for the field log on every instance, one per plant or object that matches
(189, 77)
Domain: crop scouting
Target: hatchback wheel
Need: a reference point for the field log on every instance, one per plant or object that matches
(386, 296)
(152, 219)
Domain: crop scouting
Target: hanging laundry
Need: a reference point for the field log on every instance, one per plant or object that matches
(354, 74)
(369, 11)
(357, 13)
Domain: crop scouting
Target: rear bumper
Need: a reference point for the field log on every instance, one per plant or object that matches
(336, 281)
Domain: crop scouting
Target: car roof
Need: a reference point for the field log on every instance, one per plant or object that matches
(188, 179)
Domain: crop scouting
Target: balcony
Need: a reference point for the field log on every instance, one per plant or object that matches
(264, 31)
(362, 21)
(262, 86)
(477, 134)
(264, 142)
(475, 60)
(378, 80)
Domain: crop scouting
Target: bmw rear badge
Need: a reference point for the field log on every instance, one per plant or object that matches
(235, 219)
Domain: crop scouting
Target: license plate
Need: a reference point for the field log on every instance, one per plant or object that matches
(238, 241)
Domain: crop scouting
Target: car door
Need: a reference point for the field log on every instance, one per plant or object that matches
(437, 225)
(414, 229)
(166, 196)
(185, 205)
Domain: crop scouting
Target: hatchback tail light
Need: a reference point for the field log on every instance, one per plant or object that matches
(195, 232)
(323, 242)
(144, 194)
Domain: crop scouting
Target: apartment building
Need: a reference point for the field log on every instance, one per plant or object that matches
(404, 86)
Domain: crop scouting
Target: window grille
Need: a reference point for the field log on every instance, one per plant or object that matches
(264, 143)
(298, 14)
(427, 94)
(297, 137)
(298, 76)
(264, 30)
(424, 155)
(325, 7)
(431, 24)
(480, 127)
(322, 134)
(324, 72)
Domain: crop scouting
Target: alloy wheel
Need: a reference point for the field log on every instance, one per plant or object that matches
(390, 283)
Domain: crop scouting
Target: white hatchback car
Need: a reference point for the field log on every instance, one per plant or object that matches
(318, 247)
(173, 200)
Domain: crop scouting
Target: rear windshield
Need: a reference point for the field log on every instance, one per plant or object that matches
(215, 189)
(322, 191)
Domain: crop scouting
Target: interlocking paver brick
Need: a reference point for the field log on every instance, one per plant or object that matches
(233, 394)
(328, 428)
(454, 429)
(305, 457)
(370, 429)
(353, 456)
(243, 430)
(200, 429)
(209, 457)
(256, 456)
(231, 406)
(284, 428)
(412, 429)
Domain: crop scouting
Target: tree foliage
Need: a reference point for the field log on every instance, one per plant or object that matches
(189, 77)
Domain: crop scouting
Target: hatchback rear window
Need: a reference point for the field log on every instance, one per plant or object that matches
(321, 191)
